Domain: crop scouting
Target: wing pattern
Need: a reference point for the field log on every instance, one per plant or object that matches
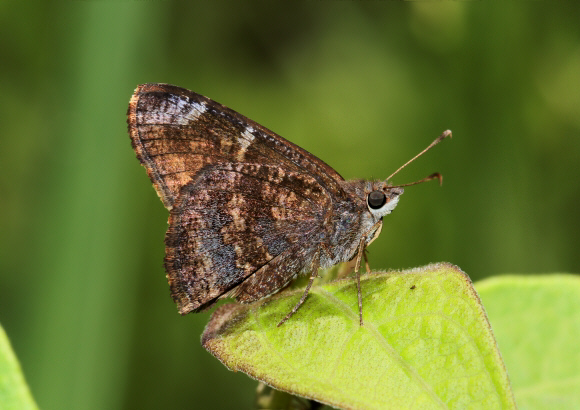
(233, 220)
(176, 132)
(242, 199)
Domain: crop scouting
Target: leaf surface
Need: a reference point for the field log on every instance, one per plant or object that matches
(536, 320)
(426, 343)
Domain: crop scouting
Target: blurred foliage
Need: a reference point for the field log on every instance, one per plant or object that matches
(363, 85)
(14, 393)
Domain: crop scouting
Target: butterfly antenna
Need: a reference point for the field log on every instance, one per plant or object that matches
(436, 175)
(444, 135)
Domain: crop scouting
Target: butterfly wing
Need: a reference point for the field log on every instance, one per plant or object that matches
(234, 220)
(242, 199)
(176, 133)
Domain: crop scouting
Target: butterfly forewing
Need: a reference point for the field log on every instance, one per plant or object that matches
(176, 132)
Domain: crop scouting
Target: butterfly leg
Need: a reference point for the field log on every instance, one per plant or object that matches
(356, 271)
(360, 254)
(313, 275)
(367, 266)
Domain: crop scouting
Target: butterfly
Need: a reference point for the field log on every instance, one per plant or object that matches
(248, 210)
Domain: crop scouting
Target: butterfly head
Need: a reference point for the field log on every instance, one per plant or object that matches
(382, 199)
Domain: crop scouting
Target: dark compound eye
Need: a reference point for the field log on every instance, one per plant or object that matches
(376, 199)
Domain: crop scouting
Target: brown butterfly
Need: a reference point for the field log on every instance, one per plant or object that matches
(249, 210)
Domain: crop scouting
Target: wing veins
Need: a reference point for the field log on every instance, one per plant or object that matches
(265, 136)
(231, 292)
(256, 199)
(263, 179)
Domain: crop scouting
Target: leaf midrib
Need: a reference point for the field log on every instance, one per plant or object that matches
(386, 346)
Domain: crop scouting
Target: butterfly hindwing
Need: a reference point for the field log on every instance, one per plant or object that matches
(232, 221)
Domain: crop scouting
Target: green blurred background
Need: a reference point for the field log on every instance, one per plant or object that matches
(364, 85)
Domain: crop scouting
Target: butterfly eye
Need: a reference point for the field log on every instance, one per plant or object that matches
(376, 199)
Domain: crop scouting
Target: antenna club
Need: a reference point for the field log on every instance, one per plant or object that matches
(436, 175)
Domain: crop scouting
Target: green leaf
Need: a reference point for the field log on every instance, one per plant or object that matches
(536, 320)
(14, 393)
(426, 343)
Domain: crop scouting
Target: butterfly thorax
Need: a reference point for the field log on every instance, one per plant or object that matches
(353, 218)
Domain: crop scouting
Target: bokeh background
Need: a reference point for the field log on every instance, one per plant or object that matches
(364, 85)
